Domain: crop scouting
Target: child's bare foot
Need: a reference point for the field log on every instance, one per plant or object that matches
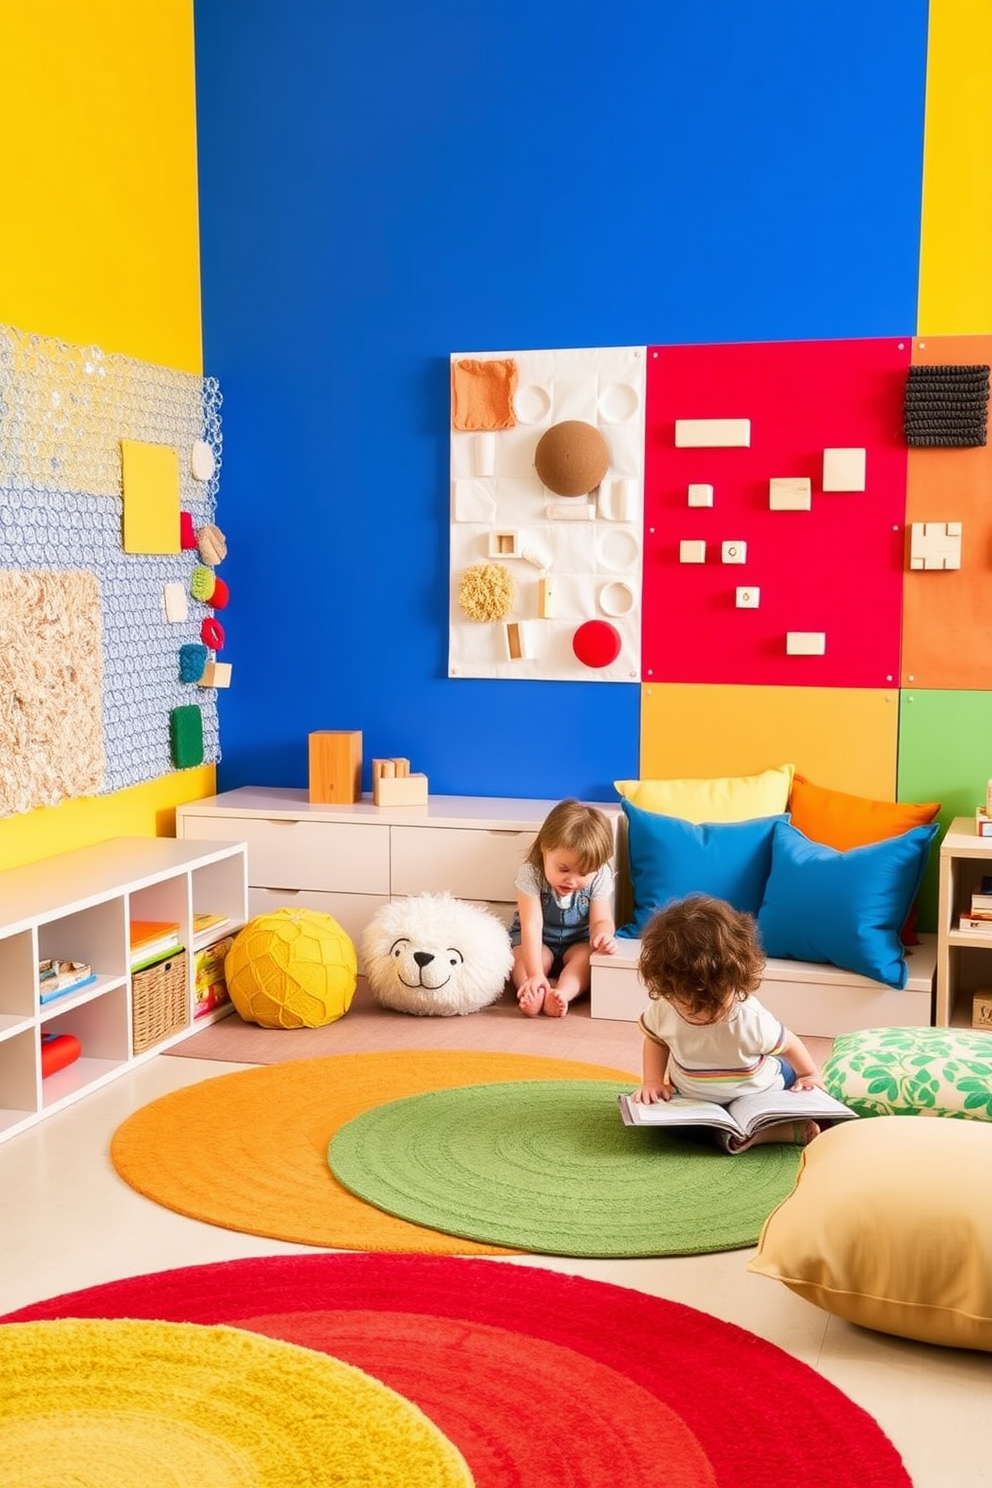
(532, 1001)
(555, 1005)
(796, 1133)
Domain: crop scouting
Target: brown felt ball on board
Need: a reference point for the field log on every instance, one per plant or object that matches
(571, 458)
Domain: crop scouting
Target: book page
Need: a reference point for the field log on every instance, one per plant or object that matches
(681, 1110)
(768, 1106)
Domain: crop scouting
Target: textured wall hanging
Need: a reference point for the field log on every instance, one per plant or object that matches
(547, 471)
(65, 412)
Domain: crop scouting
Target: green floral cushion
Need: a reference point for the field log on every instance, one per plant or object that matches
(913, 1072)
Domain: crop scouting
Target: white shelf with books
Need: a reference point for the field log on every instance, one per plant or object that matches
(964, 936)
(66, 970)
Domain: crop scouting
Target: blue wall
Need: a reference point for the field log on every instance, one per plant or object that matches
(384, 182)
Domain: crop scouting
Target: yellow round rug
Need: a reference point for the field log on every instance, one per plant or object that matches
(142, 1404)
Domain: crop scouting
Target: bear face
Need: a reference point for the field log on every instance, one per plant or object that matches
(434, 955)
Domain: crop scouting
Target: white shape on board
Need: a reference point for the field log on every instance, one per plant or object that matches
(532, 404)
(201, 460)
(747, 599)
(175, 602)
(692, 550)
(806, 643)
(618, 402)
(719, 433)
(700, 495)
(617, 598)
(733, 552)
(843, 469)
(935, 545)
(473, 501)
(484, 453)
(618, 500)
(790, 493)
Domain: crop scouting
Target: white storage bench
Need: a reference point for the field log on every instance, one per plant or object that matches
(811, 999)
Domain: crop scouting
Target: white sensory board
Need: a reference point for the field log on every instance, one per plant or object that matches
(590, 561)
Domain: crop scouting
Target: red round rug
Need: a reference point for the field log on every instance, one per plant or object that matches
(538, 1378)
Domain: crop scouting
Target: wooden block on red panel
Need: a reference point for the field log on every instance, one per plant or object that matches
(790, 493)
(733, 552)
(947, 627)
(801, 398)
(718, 433)
(336, 766)
(748, 599)
(692, 551)
(805, 643)
(843, 469)
(400, 790)
(700, 495)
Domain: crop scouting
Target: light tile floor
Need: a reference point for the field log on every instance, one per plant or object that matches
(68, 1221)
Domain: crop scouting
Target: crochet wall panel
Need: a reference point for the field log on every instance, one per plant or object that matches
(64, 412)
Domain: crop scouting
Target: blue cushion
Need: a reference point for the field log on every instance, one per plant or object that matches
(670, 858)
(843, 907)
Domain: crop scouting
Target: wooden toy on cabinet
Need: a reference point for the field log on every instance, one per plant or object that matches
(336, 766)
(393, 785)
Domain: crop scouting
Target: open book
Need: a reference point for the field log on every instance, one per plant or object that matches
(742, 1117)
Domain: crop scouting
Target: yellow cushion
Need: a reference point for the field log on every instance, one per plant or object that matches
(724, 798)
(842, 821)
(890, 1226)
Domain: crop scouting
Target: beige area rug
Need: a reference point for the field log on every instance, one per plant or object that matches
(140, 1404)
(248, 1150)
(368, 1028)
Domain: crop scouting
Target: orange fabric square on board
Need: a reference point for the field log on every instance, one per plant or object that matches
(482, 394)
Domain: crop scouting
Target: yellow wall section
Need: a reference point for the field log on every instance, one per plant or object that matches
(99, 244)
(956, 243)
(844, 738)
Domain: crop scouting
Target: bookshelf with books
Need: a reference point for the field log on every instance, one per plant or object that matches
(78, 908)
(964, 929)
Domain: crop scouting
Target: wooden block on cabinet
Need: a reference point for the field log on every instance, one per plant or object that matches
(400, 790)
(336, 767)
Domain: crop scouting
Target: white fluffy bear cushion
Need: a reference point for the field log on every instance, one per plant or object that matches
(433, 954)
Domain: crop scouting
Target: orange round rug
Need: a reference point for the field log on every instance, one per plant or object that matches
(248, 1151)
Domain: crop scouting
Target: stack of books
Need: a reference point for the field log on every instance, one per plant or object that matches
(153, 941)
(56, 978)
(202, 923)
(979, 917)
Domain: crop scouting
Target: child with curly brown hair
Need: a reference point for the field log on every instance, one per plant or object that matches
(705, 1034)
(564, 909)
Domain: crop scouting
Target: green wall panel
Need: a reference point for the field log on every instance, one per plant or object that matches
(945, 755)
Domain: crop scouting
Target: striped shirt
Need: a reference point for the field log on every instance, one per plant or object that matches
(719, 1061)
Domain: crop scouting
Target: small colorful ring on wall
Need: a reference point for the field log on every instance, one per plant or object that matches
(212, 633)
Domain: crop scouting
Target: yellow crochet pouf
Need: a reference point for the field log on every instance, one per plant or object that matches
(294, 968)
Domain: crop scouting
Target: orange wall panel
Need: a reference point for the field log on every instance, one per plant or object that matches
(947, 613)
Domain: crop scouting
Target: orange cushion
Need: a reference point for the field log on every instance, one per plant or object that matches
(841, 821)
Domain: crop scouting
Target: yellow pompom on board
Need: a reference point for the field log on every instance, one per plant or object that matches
(293, 968)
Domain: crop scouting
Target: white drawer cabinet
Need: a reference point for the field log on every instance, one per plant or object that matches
(347, 860)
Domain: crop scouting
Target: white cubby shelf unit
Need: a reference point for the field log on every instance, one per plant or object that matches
(77, 906)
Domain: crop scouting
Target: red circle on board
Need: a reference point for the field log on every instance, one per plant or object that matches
(596, 643)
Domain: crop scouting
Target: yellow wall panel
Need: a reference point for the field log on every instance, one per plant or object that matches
(99, 239)
(99, 245)
(956, 241)
(844, 738)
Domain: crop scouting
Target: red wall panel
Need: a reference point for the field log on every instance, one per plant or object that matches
(836, 568)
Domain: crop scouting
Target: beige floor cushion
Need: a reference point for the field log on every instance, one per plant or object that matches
(890, 1226)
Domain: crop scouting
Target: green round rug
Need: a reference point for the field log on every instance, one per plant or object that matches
(548, 1166)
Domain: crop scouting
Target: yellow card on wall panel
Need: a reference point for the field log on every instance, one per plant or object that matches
(843, 738)
(151, 497)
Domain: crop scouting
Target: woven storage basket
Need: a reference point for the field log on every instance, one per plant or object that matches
(159, 1001)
